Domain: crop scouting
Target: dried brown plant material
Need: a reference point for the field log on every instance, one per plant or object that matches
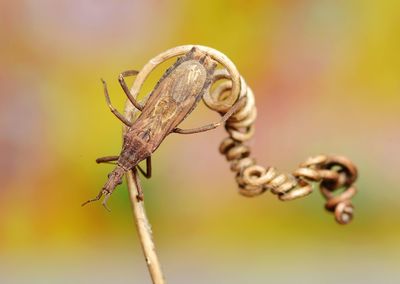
(172, 100)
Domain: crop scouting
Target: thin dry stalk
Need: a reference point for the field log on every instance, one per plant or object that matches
(144, 228)
(139, 212)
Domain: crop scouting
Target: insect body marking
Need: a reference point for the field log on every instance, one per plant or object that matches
(188, 80)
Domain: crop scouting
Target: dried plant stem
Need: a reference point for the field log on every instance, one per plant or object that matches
(139, 213)
(144, 228)
(331, 172)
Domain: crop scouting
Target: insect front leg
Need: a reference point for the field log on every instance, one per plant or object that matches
(113, 109)
(102, 192)
(94, 199)
(211, 126)
(121, 79)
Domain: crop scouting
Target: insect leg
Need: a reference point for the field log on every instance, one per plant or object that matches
(126, 89)
(210, 126)
(146, 174)
(107, 159)
(140, 195)
(113, 110)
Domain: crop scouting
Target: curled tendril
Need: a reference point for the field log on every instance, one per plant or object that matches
(331, 172)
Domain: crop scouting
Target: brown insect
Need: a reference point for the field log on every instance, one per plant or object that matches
(174, 97)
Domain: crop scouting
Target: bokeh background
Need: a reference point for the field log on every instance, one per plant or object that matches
(326, 76)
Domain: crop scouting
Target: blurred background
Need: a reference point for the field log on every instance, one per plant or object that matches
(330, 66)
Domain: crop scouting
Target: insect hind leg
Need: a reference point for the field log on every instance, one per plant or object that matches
(211, 126)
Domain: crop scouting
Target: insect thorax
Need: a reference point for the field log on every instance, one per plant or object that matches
(134, 150)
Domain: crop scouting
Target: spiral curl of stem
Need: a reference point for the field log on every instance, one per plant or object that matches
(331, 172)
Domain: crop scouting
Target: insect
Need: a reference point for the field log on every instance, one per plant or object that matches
(173, 98)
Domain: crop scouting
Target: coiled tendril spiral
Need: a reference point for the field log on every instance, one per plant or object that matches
(333, 173)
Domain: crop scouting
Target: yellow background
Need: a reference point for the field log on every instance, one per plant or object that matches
(326, 80)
